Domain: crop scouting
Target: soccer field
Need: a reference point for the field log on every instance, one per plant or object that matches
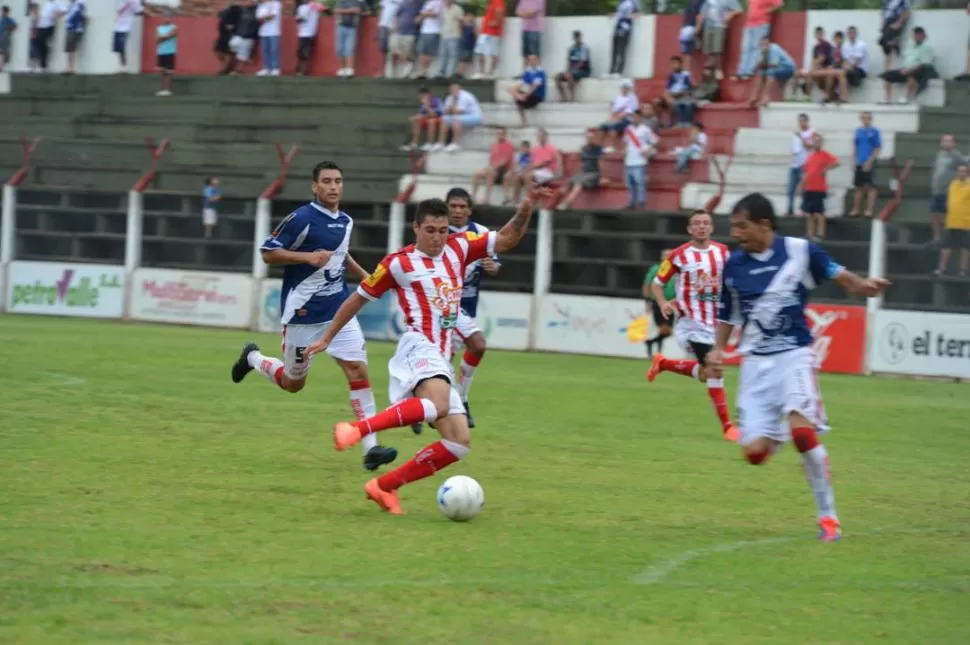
(148, 499)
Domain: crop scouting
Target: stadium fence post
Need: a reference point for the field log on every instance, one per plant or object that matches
(542, 277)
(8, 214)
(264, 213)
(395, 226)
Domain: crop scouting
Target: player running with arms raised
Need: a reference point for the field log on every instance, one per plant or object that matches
(697, 265)
(427, 278)
(765, 292)
(312, 244)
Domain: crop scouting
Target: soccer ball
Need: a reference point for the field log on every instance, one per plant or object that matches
(460, 498)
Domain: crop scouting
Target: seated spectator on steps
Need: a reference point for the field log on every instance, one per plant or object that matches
(709, 88)
(677, 96)
(500, 161)
(854, 68)
(695, 149)
(531, 90)
(776, 68)
(916, 72)
(590, 175)
(522, 160)
(461, 111)
(426, 119)
(819, 68)
(577, 68)
(623, 107)
(544, 167)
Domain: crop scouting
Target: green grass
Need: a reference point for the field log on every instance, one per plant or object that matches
(144, 498)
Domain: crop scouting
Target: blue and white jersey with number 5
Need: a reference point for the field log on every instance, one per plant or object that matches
(766, 294)
(311, 295)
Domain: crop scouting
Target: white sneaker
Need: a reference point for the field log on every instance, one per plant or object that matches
(408, 147)
(428, 147)
(608, 150)
(350, 72)
(163, 93)
(262, 72)
(436, 147)
(452, 147)
(477, 76)
(275, 72)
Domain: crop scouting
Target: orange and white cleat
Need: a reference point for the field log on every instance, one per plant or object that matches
(829, 529)
(654, 370)
(345, 435)
(731, 433)
(386, 500)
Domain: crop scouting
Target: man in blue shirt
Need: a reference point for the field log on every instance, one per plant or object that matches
(676, 96)
(531, 90)
(775, 69)
(312, 244)
(765, 291)
(866, 148)
(165, 47)
(577, 68)
(74, 24)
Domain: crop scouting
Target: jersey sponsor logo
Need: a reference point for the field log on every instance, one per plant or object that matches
(376, 276)
(279, 227)
(705, 286)
(447, 298)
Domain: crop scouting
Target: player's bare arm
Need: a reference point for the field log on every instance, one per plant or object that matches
(514, 230)
(657, 289)
(715, 358)
(317, 258)
(490, 266)
(350, 308)
(859, 286)
(355, 269)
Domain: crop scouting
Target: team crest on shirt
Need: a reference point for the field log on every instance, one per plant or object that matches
(705, 285)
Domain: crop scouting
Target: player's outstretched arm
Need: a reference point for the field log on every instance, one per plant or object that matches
(514, 230)
(350, 308)
(286, 256)
(859, 286)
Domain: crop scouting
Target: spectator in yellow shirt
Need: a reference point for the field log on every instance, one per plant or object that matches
(957, 222)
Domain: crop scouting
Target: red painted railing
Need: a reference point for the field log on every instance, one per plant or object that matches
(155, 153)
(29, 145)
(286, 160)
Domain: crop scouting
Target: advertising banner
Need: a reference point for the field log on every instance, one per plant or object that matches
(598, 326)
(840, 338)
(920, 344)
(87, 290)
(192, 297)
(374, 318)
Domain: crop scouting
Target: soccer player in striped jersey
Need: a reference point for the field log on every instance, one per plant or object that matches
(696, 268)
(312, 244)
(427, 278)
(766, 287)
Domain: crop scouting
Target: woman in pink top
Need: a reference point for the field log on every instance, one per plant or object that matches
(545, 166)
(757, 25)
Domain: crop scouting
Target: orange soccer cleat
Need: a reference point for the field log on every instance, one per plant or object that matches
(731, 433)
(829, 529)
(386, 500)
(345, 435)
(654, 370)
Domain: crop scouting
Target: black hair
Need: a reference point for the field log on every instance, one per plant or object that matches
(430, 208)
(459, 193)
(802, 115)
(839, 34)
(326, 165)
(526, 143)
(819, 28)
(757, 207)
(6, 8)
(699, 211)
(676, 58)
(919, 30)
(699, 125)
(423, 90)
(852, 28)
(577, 34)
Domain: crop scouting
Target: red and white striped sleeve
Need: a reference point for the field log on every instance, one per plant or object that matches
(475, 246)
(380, 281)
(669, 268)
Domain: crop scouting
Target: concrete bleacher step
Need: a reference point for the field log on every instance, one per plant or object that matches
(771, 172)
(773, 142)
(696, 195)
(587, 115)
(720, 140)
(870, 91)
(830, 118)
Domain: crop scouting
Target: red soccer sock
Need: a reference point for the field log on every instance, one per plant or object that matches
(403, 413)
(685, 367)
(715, 390)
(427, 462)
(805, 439)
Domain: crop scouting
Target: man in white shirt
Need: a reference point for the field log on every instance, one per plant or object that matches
(125, 13)
(46, 22)
(855, 65)
(269, 14)
(429, 40)
(307, 21)
(801, 145)
(624, 106)
(640, 144)
(385, 28)
(461, 111)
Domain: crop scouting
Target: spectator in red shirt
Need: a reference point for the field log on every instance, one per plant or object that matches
(499, 162)
(814, 187)
(489, 43)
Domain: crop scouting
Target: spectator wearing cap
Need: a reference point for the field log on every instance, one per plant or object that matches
(626, 13)
(916, 72)
(531, 89)
(578, 67)
(621, 112)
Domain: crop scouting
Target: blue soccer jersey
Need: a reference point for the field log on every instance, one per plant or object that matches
(312, 295)
(766, 294)
(473, 272)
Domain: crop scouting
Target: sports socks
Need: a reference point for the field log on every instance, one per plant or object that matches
(715, 390)
(271, 368)
(689, 368)
(363, 405)
(401, 414)
(469, 363)
(815, 461)
(427, 462)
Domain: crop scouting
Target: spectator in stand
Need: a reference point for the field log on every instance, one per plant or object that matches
(820, 67)
(691, 31)
(348, 13)
(211, 196)
(7, 26)
(640, 144)
(663, 324)
(957, 222)
(590, 175)
(709, 89)
(966, 75)
(866, 148)
(677, 96)
(715, 18)
(854, 68)
(124, 21)
(621, 113)
(166, 42)
(531, 90)
(577, 68)
(426, 119)
(776, 69)
(74, 23)
(532, 12)
(33, 51)
(815, 187)
(801, 145)
(895, 15)
(916, 72)
(452, 17)
(523, 160)
(544, 167)
(461, 111)
(501, 160)
(948, 159)
(466, 45)
(269, 14)
(406, 26)
(50, 11)
(385, 28)
(695, 149)
(626, 13)
(243, 42)
(307, 22)
(429, 40)
(757, 27)
(489, 43)
(228, 22)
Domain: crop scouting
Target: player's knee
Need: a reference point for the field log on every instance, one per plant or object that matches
(292, 385)
(757, 455)
(804, 438)
(355, 370)
(476, 344)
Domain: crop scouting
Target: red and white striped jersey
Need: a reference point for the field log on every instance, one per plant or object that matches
(429, 288)
(698, 274)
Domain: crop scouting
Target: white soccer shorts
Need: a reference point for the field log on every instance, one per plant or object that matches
(242, 48)
(688, 330)
(771, 388)
(348, 345)
(417, 359)
(487, 45)
(209, 217)
(464, 329)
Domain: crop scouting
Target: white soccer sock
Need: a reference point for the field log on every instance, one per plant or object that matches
(695, 371)
(363, 405)
(816, 466)
(456, 449)
(466, 373)
(265, 365)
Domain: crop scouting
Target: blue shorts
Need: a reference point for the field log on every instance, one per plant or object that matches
(780, 74)
(938, 204)
(531, 43)
(346, 41)
(466, 120)
(617, 127)
(118, 45)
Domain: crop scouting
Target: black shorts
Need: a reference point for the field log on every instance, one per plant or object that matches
(855, 76)
(529, 101)
(864, 178)
(119, 42)
(813, 202)
(890, 39)
(956, 238)
(701, 350)
(304, 49)
(500, 175)
(72, 41)
(165, 62)
(222, 44)
(658, 315)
